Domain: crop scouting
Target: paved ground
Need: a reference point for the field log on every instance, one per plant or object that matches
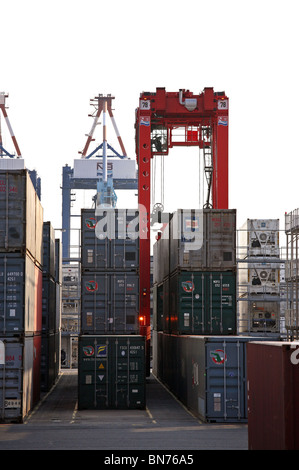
(165, 425)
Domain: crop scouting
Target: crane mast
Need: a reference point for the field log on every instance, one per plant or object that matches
(203, 122)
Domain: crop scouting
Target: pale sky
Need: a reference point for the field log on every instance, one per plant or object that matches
(56, 55)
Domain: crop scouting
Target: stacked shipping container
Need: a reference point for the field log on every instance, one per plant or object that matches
(109, 309)
(260, 274)
(195, 273)
(51, 307)
(21, 233)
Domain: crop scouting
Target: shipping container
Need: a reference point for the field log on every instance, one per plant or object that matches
(111, 372)
(50, 360)
(109, 303)
(19, 376)
(49, 310)
(20, 295)
(259, 237)
(21, 215)
(48, 250)
(259, 316)
(206, 373)
(58, 261)
(273, 391)
(202, 239)
(199, 303)
(109, 239)
(260, 277)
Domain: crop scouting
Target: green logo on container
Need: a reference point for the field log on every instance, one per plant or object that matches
(218, 356)
(88, 351)
(91, 286)
(188, 286)
(91, 222)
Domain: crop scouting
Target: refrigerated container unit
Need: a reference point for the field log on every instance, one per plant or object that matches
(20, 295)
(21, 215)
(259, 316)
(206, 373)
(111, 372)
(109, 303)
(259, 276)
(19, 376)
(194, 302)
(273, 390)
(109, 239)
(259, 237)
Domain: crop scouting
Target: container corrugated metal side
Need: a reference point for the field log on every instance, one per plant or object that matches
(202, 239)
(20, 295)
(48, 250)
(109, 303)
(201, 303)
(21, 215)
(50, 357)
(19, 377)
(49, 311)
(111, 372)
(273, 390)
(206, 373)
(109, 239)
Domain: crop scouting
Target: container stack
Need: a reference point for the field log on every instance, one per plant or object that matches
(260, 277)
(195, 274)
(110, 376)
(51, 302)
(21, 235)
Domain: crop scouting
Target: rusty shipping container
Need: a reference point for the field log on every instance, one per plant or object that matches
(273, 391)
(21, 215)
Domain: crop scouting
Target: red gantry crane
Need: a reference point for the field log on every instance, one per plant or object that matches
(165, 120)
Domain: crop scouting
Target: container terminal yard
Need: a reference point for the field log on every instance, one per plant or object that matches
(142, 329)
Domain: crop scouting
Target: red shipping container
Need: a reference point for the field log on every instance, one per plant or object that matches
(273, 392)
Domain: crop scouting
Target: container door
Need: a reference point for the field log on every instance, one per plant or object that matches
(225, 381)
(191, 308)
(12, 294)
(221, 305)
(95, 289)
(127, 364)
(11, 380)
(124, 303)
(93, 373)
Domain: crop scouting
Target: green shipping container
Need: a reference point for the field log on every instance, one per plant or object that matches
(202, 303)
(111, 372)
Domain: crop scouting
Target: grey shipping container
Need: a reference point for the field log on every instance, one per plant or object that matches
(273, 390)
(108, 240)
(109, 303)
(197, 302)
(20, 295)
(111, 372)
(203, 239)
(207, 374)
(21, 215)
(58, 261)
(19, 376)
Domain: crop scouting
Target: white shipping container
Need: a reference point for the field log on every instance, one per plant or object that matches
(259, 237)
